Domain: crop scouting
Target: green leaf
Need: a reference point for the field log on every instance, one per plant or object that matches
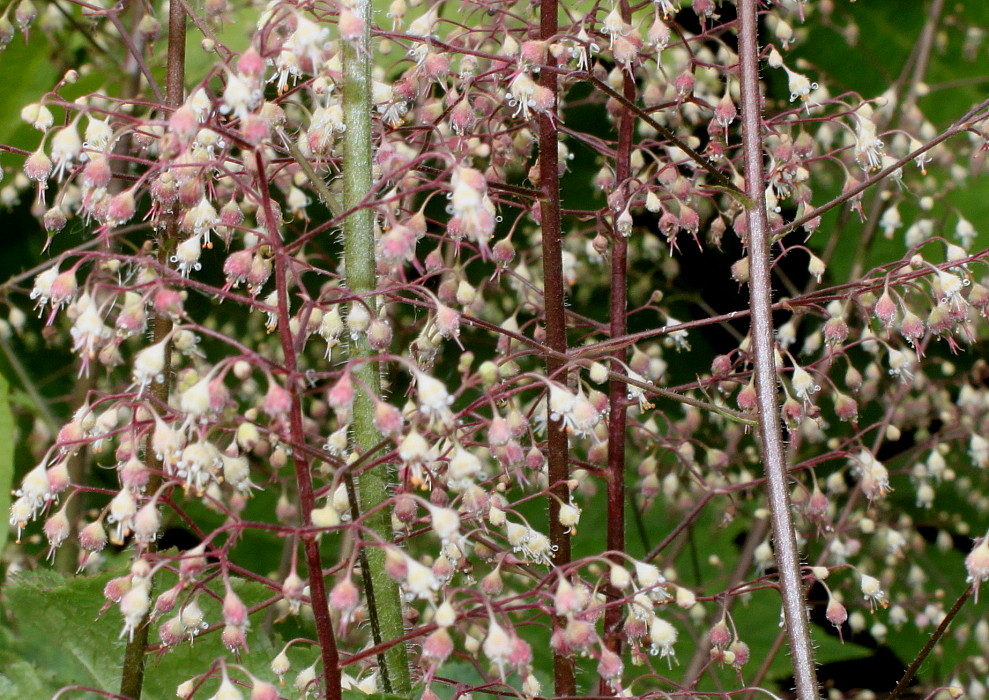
(56, 629)
(35, 76)
(6, 454)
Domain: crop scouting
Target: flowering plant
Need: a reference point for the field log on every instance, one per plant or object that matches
(405, 316)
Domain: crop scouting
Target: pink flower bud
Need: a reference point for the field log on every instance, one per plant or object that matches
(171, 632)
(57, 529)
(165, 602)
(684, 83)
(58, 477)
(93, 537)
(278, 401)
(379, 334)
(396, 564)
(234, 638)
(344, 596)
(147, 522)
(492, 584)
(610, 666)
(746, 398)
(183, 123)
(168, 302)
(97, 173)
(885, 309)
(121, 207)
(845, 407)
(726, 111)
(234, 610)
(720, 634)
(835, 331)
(720, 367)
(251, 64)
(741, 651)
(341, 395)
(387, 418)
(38, 166)
(836, 613)
(437, 646)
(192, 562)
(262, 690)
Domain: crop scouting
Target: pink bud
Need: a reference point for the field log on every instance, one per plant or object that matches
(234, 638)
(610, 666)
(720, 634)
(93, 538)
(97, 173)
(684, 83)
(345, 596)
(251, 64)
(38, 166)
(234, 610)
(579, 634)
(58, 477)
(721, 366)
(277, 402)
(379, 334)
(168, 302)
(387, 418)
(262, 690)
(835, 331)
(165, 603)
(725, 112)
(492, 585)
(171, 632)
(116, 588)
(121, 207)
(341, 395)
(350, 25)
(437, 646)
(499, 432)
(183, 123)
(741, 651)
(885, 309)
(521, 655)
(836, 613)
(746, 398)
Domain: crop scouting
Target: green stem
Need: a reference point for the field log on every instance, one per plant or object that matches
(359, 271)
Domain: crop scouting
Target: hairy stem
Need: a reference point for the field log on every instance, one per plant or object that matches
(132, 673)
(358, 231)
(770, 435)
(556, 330)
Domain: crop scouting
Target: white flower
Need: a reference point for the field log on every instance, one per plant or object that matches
(434, 400)
(873, 592)
(662, 637)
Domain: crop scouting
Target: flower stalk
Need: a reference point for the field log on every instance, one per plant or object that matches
(763, 345)
(358, 231)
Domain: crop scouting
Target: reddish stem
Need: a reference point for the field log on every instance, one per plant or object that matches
(556, 331)
(763, 343)
(303, 477)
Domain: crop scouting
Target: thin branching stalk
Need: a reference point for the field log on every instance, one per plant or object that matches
(763, 344)
(556, 331)
(358, 231)
(935, 637)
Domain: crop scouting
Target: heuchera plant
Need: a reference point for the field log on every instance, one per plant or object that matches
(405, 292)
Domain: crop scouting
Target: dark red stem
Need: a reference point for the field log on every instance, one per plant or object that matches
(556, 330)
